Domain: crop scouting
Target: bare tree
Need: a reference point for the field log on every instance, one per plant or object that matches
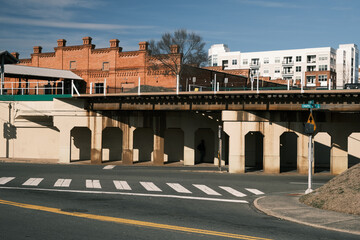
(176, 49)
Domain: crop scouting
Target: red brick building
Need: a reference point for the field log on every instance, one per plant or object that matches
(122, 69)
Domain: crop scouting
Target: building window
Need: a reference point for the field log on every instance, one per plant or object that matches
(277, 60)
(310, 79)
(234, 62)
(322, 67)
(266, 71)
(323, 58)
(266, 60)
(311, 59)
(105, 66)
(245, 61)
(99, 87)
(322, 78)
(72, 64)
(225, 63)
(311, 68)
(277, 70)
(298, 58)
(298, 69)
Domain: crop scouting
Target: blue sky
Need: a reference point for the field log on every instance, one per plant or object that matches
(245, 25)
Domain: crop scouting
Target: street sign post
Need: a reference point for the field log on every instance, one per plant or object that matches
(310, 127)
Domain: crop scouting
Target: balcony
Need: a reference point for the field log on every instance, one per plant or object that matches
(288, 73)
(288, 63)
(254, 65)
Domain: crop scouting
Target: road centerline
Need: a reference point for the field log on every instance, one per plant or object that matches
(130, 221)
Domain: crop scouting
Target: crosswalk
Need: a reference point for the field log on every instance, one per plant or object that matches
(146, 185)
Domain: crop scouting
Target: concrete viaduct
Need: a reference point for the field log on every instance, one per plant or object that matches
(263, 130)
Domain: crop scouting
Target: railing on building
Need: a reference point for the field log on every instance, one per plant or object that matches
(33, 88)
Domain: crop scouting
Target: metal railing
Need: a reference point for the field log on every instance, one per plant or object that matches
(32, 88)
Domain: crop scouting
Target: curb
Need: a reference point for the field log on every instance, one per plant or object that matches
(280, 216)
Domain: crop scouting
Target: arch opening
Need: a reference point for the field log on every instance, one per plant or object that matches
(80, 144)
(254, 153)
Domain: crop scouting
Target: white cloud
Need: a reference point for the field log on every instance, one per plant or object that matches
(69, 25)
(270, 4)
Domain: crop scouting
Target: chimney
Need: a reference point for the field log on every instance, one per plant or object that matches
(174, 48)
(87, 40)
(114, 43)
(61, 42)
(37, 49)
(143, 46)
(15, 54)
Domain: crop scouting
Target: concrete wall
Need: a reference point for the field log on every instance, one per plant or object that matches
(63, 130)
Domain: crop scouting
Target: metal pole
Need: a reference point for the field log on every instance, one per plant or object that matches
(91, 88)
(177, 84)
(252, 82)
(330, 84)
(139, 86)
(310, 157)
(220, 147)
(257, 83)
(302, 83)
(105, 87)
(214, 84)
(2, 74)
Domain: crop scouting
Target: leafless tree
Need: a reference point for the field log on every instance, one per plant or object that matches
(176, 49)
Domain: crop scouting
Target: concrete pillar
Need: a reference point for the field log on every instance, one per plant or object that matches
(159, 133)
(236, 146)
(128, 139)
(65, 145)
(189, 145)
(272, 134)
(302, 153)
(338, 153)
(96, 128)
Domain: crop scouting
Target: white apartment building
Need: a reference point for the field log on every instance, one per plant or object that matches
(316, 67)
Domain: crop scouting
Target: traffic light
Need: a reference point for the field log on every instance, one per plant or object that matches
(9, 131)
(309, 128)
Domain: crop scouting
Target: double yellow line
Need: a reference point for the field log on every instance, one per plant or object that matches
(131, 222)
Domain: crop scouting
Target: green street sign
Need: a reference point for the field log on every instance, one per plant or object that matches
(306, 106)
(310, 104)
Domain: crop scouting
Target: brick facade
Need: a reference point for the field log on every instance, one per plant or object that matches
(120, 69)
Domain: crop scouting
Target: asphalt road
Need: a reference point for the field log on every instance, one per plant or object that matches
(144, 203)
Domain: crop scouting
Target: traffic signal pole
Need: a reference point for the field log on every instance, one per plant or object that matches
(310, 158)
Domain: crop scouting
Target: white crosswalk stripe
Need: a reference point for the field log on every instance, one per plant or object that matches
(62, 182)
(93, 183)
(33, 182)
(206, 189)
(254, 191)
(177, 187)
(233, 191)
(149, 186)
(108, 167)
(121, 185)
(5, 180)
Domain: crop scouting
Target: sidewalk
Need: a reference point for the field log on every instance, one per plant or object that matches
(288, 207)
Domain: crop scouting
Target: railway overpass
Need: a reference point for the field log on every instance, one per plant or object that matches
(264, 130)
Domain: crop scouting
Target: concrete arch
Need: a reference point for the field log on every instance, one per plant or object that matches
(174, 145)
(80, 148)
(353, 149)
(322, 150)
(288, 151)
(143, 144)
(111, 144)
(207, 135)
(254, 152)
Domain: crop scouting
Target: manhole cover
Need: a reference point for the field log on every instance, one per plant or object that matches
(74, 210)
